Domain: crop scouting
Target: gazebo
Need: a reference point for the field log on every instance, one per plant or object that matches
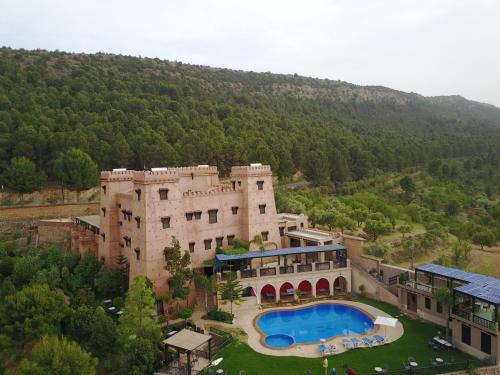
(193, 345)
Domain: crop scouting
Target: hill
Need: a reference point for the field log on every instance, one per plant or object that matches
(140, 112)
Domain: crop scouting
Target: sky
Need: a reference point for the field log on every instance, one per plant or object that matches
(432, 47)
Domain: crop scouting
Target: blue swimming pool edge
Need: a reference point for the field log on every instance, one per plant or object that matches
(301, 307)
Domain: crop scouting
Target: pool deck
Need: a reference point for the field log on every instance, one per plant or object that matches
(245, 318)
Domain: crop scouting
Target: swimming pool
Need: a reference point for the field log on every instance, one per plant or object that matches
(284, 328)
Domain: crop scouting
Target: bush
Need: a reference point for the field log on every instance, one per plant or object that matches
(220, 316)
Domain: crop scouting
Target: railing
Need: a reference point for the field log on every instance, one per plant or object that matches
(287, 269)
(245, 274)
(339, 263)
(414, 285)
(446, 367)
(304, 268)
(267, 271)
(484, 322)
(323, 266)
(461, 313)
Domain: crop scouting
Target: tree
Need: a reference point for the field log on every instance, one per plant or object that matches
(87, 270)
(262, 245)
(444, 296)
(58, 356)
(484, 238)
(405, 229)
(375, 228)
(32, 312)
(461, 253)
(185, 313)
(22, 177)
(407, 185)
(411, 249)
(231, 290)
(140, 357)
(360, 215)
(112, 282)
(177, 264)
(25, 270)
(92, 328)
(76, 170)
(343, 221)
(139, 318)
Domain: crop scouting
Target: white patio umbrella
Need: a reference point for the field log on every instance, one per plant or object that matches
(385, 321)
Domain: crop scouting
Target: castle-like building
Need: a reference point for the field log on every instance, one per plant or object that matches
(142, 211)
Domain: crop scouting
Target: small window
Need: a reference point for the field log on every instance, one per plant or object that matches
(239, 183)
(234, 184)
(230, 239)
(302, 225)
(103, 209)
(197, 215)
(191, 247)
(128, 241)
(189, 216)
(282, 231)
(120, 223)
(234, 210)
(119, 205)
(212, 216)
(265, 236)
(260, 185)
(103, 235)
(427, 303)
(439, 307)
(465, 334)
(262, 208)
(138, 221)
(163, 194)
(208, 244)
(138, 193)
(137, 253)
(218, 241)
(104, 189)
(165, 222)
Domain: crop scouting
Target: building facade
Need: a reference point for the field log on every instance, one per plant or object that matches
(142, 211)
(474, 311)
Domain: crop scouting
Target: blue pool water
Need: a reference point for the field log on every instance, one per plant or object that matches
(311, 324)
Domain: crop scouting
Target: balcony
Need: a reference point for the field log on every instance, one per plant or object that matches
(290, 269)
(467, 315)
(417, 286)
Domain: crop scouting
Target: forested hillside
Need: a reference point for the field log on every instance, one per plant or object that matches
(138, 112)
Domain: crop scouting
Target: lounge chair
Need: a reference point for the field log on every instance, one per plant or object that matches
(368, 341)
(379, 339)
(347, 344)
(356, 341)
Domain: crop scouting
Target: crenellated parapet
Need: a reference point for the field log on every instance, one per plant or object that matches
(251, 171)
(121, 175)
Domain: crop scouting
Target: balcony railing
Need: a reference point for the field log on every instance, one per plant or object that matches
(267, 271)
(464, 314)
(414, 285)
(287, 269)
(281, 270)
(304, 267)
(323, 266)
(245, 274)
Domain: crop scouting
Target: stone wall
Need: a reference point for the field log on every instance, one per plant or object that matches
(372, 288)
(56, 231)
(48, 211)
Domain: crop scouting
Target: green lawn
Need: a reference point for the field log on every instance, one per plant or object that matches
(240, 356)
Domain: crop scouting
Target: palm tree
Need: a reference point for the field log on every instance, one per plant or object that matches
(204, 283)
(259, 241)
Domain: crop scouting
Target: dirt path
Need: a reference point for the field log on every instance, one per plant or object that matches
(48, 211)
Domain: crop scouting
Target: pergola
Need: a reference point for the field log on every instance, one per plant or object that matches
(187, 341)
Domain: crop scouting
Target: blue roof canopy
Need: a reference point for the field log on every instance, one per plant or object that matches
(483, 287)
(276, 252)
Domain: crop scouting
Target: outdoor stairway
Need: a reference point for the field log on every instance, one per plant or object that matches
(382, 289)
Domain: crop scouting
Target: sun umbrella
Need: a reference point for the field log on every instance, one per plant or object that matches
(385, 321)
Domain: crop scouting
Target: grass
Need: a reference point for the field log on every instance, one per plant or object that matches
(239, 356)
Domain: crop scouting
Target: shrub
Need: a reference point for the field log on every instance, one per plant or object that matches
(220, 316)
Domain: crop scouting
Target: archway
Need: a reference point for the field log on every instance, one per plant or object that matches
(248, 292)
(305, 288)
(268, 294)
(287, 291)
(322, 287)
(340, 285)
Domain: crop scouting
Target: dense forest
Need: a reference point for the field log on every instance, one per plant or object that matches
(140, 113)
